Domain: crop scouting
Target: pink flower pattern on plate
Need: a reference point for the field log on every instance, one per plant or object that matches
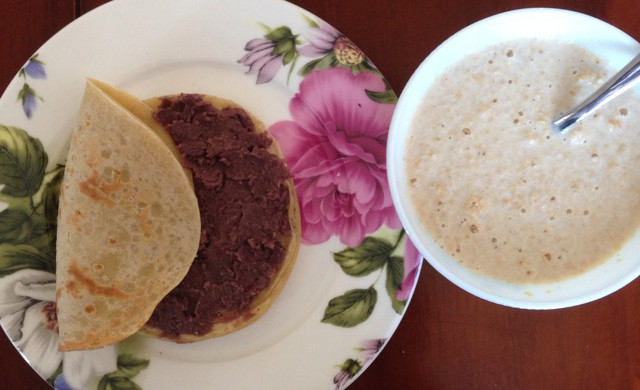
(412, 259)
(335, 149)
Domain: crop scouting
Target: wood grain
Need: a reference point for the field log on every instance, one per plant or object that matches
(24, 27)
(448, 339)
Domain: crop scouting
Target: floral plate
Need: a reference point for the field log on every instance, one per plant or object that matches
(329, 108)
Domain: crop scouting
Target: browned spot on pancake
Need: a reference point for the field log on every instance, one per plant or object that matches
(82, 280)
(89, 309)
(72, 288)
(144, 223)
(99, 190)
(75, 220)
(93, 160)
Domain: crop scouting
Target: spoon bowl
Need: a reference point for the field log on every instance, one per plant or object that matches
(622, 81)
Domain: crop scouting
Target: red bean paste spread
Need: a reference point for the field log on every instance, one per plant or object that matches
(243, 201)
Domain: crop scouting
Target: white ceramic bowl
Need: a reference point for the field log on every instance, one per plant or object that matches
(606, 41)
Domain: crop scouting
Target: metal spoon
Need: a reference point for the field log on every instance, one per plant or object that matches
(619, 83)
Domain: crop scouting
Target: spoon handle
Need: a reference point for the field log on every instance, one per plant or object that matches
(619, 83)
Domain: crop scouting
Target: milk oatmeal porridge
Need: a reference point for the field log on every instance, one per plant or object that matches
(500, 190)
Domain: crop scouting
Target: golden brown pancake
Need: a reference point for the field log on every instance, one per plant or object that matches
(128, 225)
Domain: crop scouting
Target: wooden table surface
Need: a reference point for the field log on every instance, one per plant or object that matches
(448, 339)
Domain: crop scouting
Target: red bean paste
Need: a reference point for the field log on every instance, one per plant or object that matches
(243, 200)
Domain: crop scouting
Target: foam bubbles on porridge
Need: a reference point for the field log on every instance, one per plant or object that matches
(499, 189)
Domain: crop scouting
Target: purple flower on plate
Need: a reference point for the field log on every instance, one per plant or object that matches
(331, 49)
(321, 37)
(35, 68)
(261, 60)
(371, 348)
(335, 147)
(412, 259)
(29, 100)
(61, 383)
(324, 39)
(27, 95)
(350, 367)
(267, 55)
(347, 371)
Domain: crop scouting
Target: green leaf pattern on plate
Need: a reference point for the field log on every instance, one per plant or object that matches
(27, 225)
(121, 379)
(352, 308)
(373, 254)
(393, 281)
(369, 256)
(22, 162)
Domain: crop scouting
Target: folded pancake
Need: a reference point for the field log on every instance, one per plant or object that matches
(128, 224)
(250, 219)
(144, 113)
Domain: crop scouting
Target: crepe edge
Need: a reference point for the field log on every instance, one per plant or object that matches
(95, 340)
